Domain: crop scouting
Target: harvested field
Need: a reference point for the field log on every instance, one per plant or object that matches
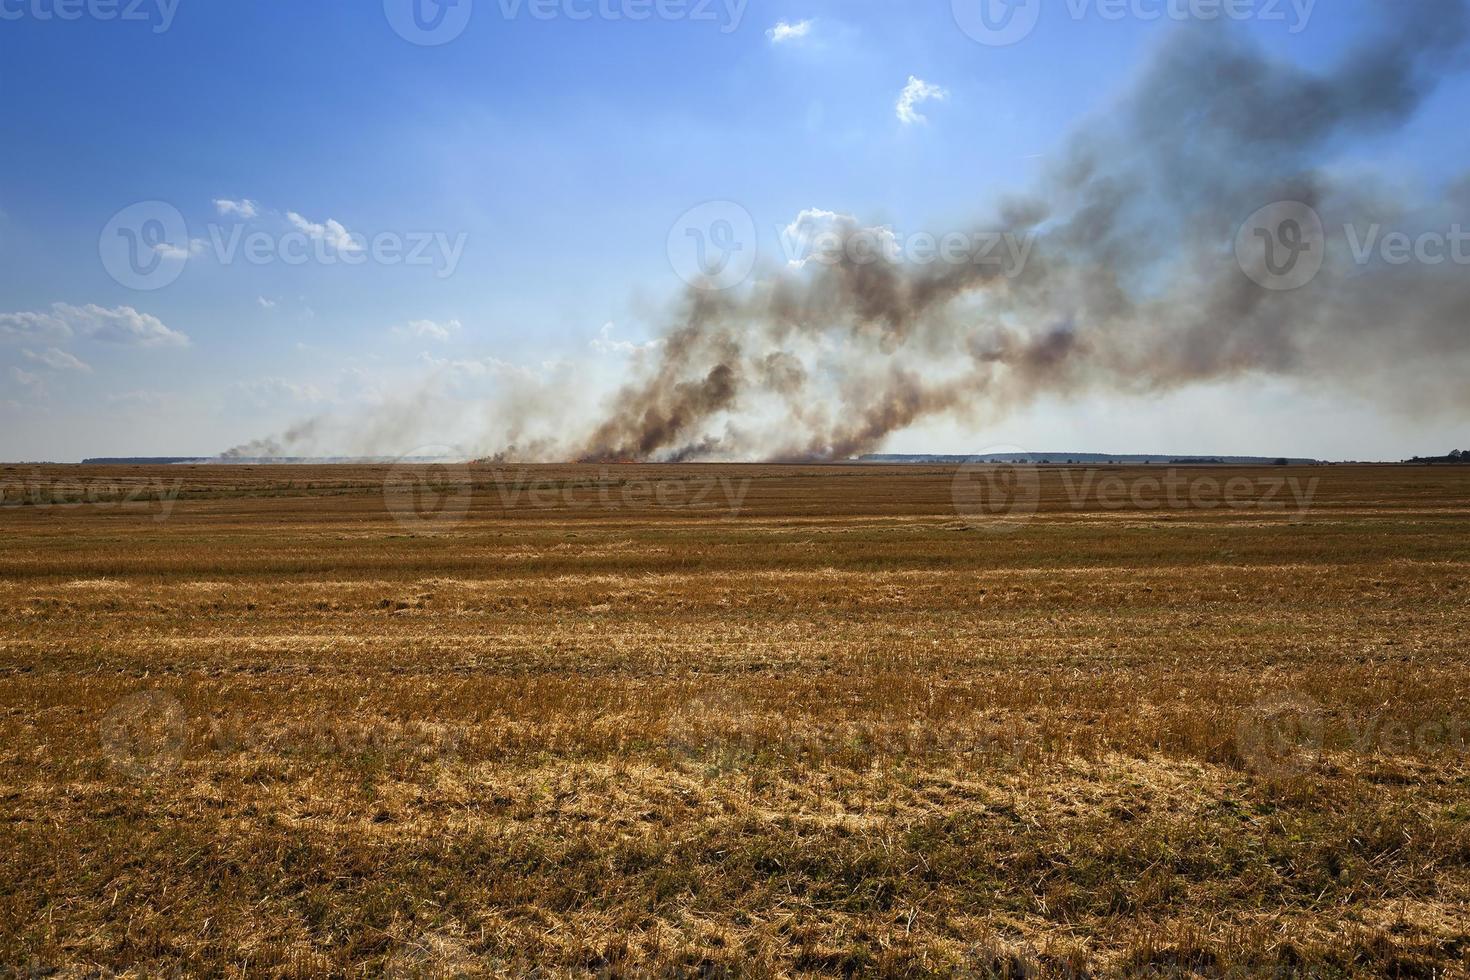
(734, 721)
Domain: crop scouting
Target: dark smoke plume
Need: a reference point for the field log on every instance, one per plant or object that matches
(1117, 274)
(1131, 283)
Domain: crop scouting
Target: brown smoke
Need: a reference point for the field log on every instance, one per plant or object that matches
(1131, 283)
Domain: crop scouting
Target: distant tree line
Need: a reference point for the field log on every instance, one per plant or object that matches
(1458, 456)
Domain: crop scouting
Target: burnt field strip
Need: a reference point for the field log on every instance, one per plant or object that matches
(757, 719)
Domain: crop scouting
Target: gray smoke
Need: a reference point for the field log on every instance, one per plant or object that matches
(1129, 283)
(1132, 283)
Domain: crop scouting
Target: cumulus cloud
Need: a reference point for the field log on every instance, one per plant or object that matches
(330, 232)
(34, 326)
(916, 92)
(245, 209)
(265, 304)
(829, 236)
(123, 325)
(429, 330)
(784, 32)
(605, 343)
(57, 360)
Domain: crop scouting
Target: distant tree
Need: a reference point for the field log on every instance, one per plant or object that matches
(1283, 462)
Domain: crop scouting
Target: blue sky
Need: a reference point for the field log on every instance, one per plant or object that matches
(559, 152)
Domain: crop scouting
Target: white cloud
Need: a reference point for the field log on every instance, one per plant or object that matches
(826, 236)
(800, 237)
(123, 325)
(57, 360)
(34, 326)
(330, 232)
(917, 91)
(429, 330)
(266, 304)
(245, 209)
(605, 343)
(784, 32)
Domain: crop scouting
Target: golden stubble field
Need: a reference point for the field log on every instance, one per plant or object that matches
(734, 721)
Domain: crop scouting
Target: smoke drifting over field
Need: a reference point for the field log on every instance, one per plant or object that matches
(1130, 282)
